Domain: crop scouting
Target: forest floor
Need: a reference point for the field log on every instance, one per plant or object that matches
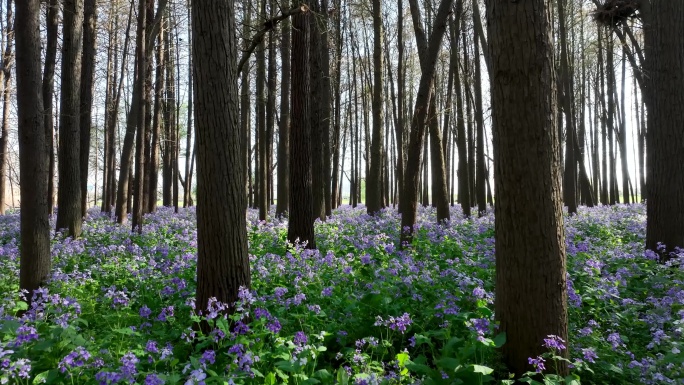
(119, 305)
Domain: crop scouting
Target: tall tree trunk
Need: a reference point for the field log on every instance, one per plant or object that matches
(33, 161)
(271, 80)
(284, 128)
(401, 83)
(245, 108)
(69, 214)
(261, 180)
(570, 173)
(51, 32)
(336, 197)
(222, 258)
(420, 117)
(317, 121)
(87, 80)
(157, 120)
(6, 81)
(374, 180)
(301, 221)
(531, 297)
(326, 109)
(622, 138)
(461, 141)
(480, 175)
(664, 27)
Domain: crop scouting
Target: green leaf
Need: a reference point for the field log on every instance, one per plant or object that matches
(323, 374)
(572, 379)
(41, 378)
(270, 379)
(447, 363)
(402, 359)
(482, 369)
(500, 339)
(342, 377)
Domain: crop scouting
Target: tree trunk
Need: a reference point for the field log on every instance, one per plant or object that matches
(140, 115)
(570, 173)
(421, 114)
(51, 32)
(481, 178)
(622, 138)
(663, 29)
(222, 258)
(87, 80)
(374, 180)
(157, 120)
(261, 180)
(461, 141)
(326, 109)
(531, 297)
(6, 81)
(69, 214)
(33, 160)
(284, 129)
(301, 221)
(245, 108)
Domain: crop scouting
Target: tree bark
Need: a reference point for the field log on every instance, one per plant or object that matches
(222, 258)
(421, 115)
(570, 172)
(374, 180)
(33, 160)
(284, 129)
(6, 81)
(461, 141)
(301, 221)
(481, 173)
(69, 214)
(531, 289)
(87, 82)
(664, 27)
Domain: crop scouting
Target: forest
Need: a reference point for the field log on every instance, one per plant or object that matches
(367, 192)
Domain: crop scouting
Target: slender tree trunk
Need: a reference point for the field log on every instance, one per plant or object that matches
(284, 129)
(531, 297)
(157, 120)
(374, 180)
(33, 161)
(245, 107)
(570, 174)
(481, 178)
(301, 221)
(261, 180)
(623, 138)
(87, 80)
(69, 214)
(326, 109)
(6, 81)
(421, 113)
(461, 140)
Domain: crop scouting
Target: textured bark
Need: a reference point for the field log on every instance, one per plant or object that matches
(222, 259)
(284, 129)
(51, 32)
(157, 120)
(420, 117)
(69, 213)
(481, 173)
(301, 221)
(271, 80)
(570, 172)
(245, 108)
(622, 138)
(531, 288)
(33, 160)
(374, 180)
(338, 135)
(440, 192)
(319, 123)
(87, 80)
(665, 137)
(6, 81)
(261, 181)
(326, 109)
(143, 17)
(461, 141)
(401, 83)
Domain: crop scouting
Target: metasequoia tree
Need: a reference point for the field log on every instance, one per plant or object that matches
(301, 219)
(222, 259)
(70, 212)
(531, 288)
(419, 120)
(33, 160)
(664, 54)
(86, 104)
(374, 181)
(284, 127)
(5, 82)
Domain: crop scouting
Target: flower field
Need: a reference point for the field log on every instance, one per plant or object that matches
(119, 307)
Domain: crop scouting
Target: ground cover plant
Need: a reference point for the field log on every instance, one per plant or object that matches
(119, 307)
